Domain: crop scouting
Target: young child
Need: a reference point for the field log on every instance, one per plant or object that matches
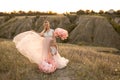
(53, 47)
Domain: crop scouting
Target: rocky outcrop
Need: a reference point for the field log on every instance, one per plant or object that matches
(17, 25)
(89, 29)
(14, 26)
(96, 30)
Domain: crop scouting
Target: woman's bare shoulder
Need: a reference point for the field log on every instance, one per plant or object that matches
(52, 30)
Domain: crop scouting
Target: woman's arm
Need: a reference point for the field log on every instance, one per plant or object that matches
(42, 33)
(31, 30)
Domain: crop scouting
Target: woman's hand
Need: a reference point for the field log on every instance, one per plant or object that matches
(41, 34)
(32, 30)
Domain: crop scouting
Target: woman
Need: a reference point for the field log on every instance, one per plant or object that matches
(35, 47)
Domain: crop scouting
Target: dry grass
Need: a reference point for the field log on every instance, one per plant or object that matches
(86, 63)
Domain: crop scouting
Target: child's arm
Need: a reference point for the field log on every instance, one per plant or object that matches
(49, 54)
(56, 49)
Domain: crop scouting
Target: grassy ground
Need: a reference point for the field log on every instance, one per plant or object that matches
(86, 63)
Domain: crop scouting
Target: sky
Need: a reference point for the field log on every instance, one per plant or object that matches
(59, 6)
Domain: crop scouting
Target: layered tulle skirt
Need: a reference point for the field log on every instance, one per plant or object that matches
(36, 49)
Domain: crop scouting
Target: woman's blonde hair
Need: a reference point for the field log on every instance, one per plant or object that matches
(46, 22)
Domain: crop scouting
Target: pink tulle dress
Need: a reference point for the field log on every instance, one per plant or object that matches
(36, 49)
